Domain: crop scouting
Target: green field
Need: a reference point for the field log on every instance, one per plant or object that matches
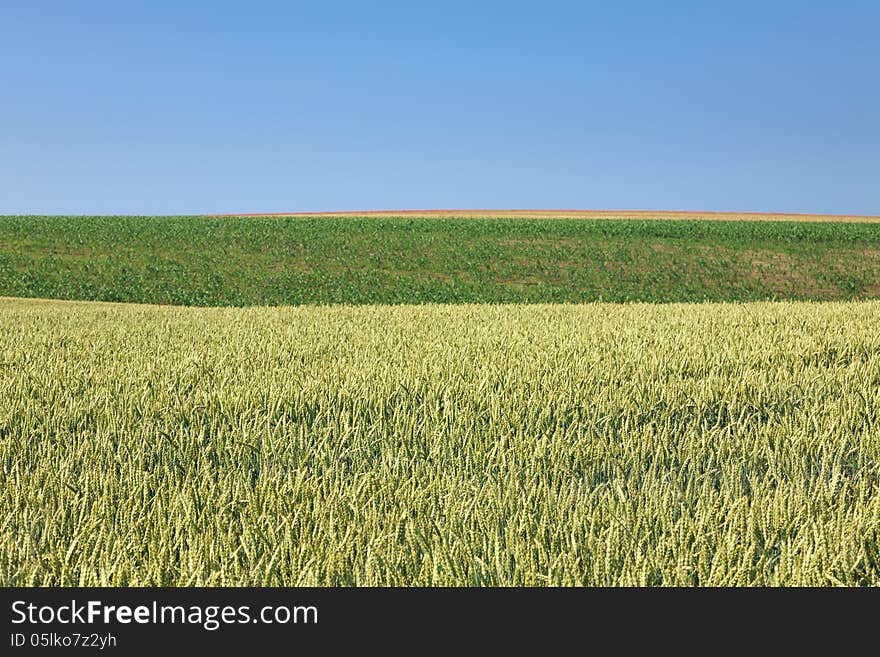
(711, 444)
(471, 415)
(244, 261)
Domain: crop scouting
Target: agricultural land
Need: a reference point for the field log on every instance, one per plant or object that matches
(421, 399)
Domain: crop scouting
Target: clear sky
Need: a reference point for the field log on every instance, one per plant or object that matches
(188, 107)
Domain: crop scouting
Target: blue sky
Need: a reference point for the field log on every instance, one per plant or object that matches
(189, 107)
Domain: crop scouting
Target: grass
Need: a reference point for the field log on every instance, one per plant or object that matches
(242, 261)
(711, 444)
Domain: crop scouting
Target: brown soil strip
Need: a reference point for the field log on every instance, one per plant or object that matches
(577, 214)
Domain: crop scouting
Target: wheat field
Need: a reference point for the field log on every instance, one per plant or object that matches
(596, 444)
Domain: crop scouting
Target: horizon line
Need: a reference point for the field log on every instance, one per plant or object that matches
(489, 212)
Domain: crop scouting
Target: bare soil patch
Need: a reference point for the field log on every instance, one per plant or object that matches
(578, 214)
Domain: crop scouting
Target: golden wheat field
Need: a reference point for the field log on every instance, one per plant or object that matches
(628, 215)
(598, 444)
